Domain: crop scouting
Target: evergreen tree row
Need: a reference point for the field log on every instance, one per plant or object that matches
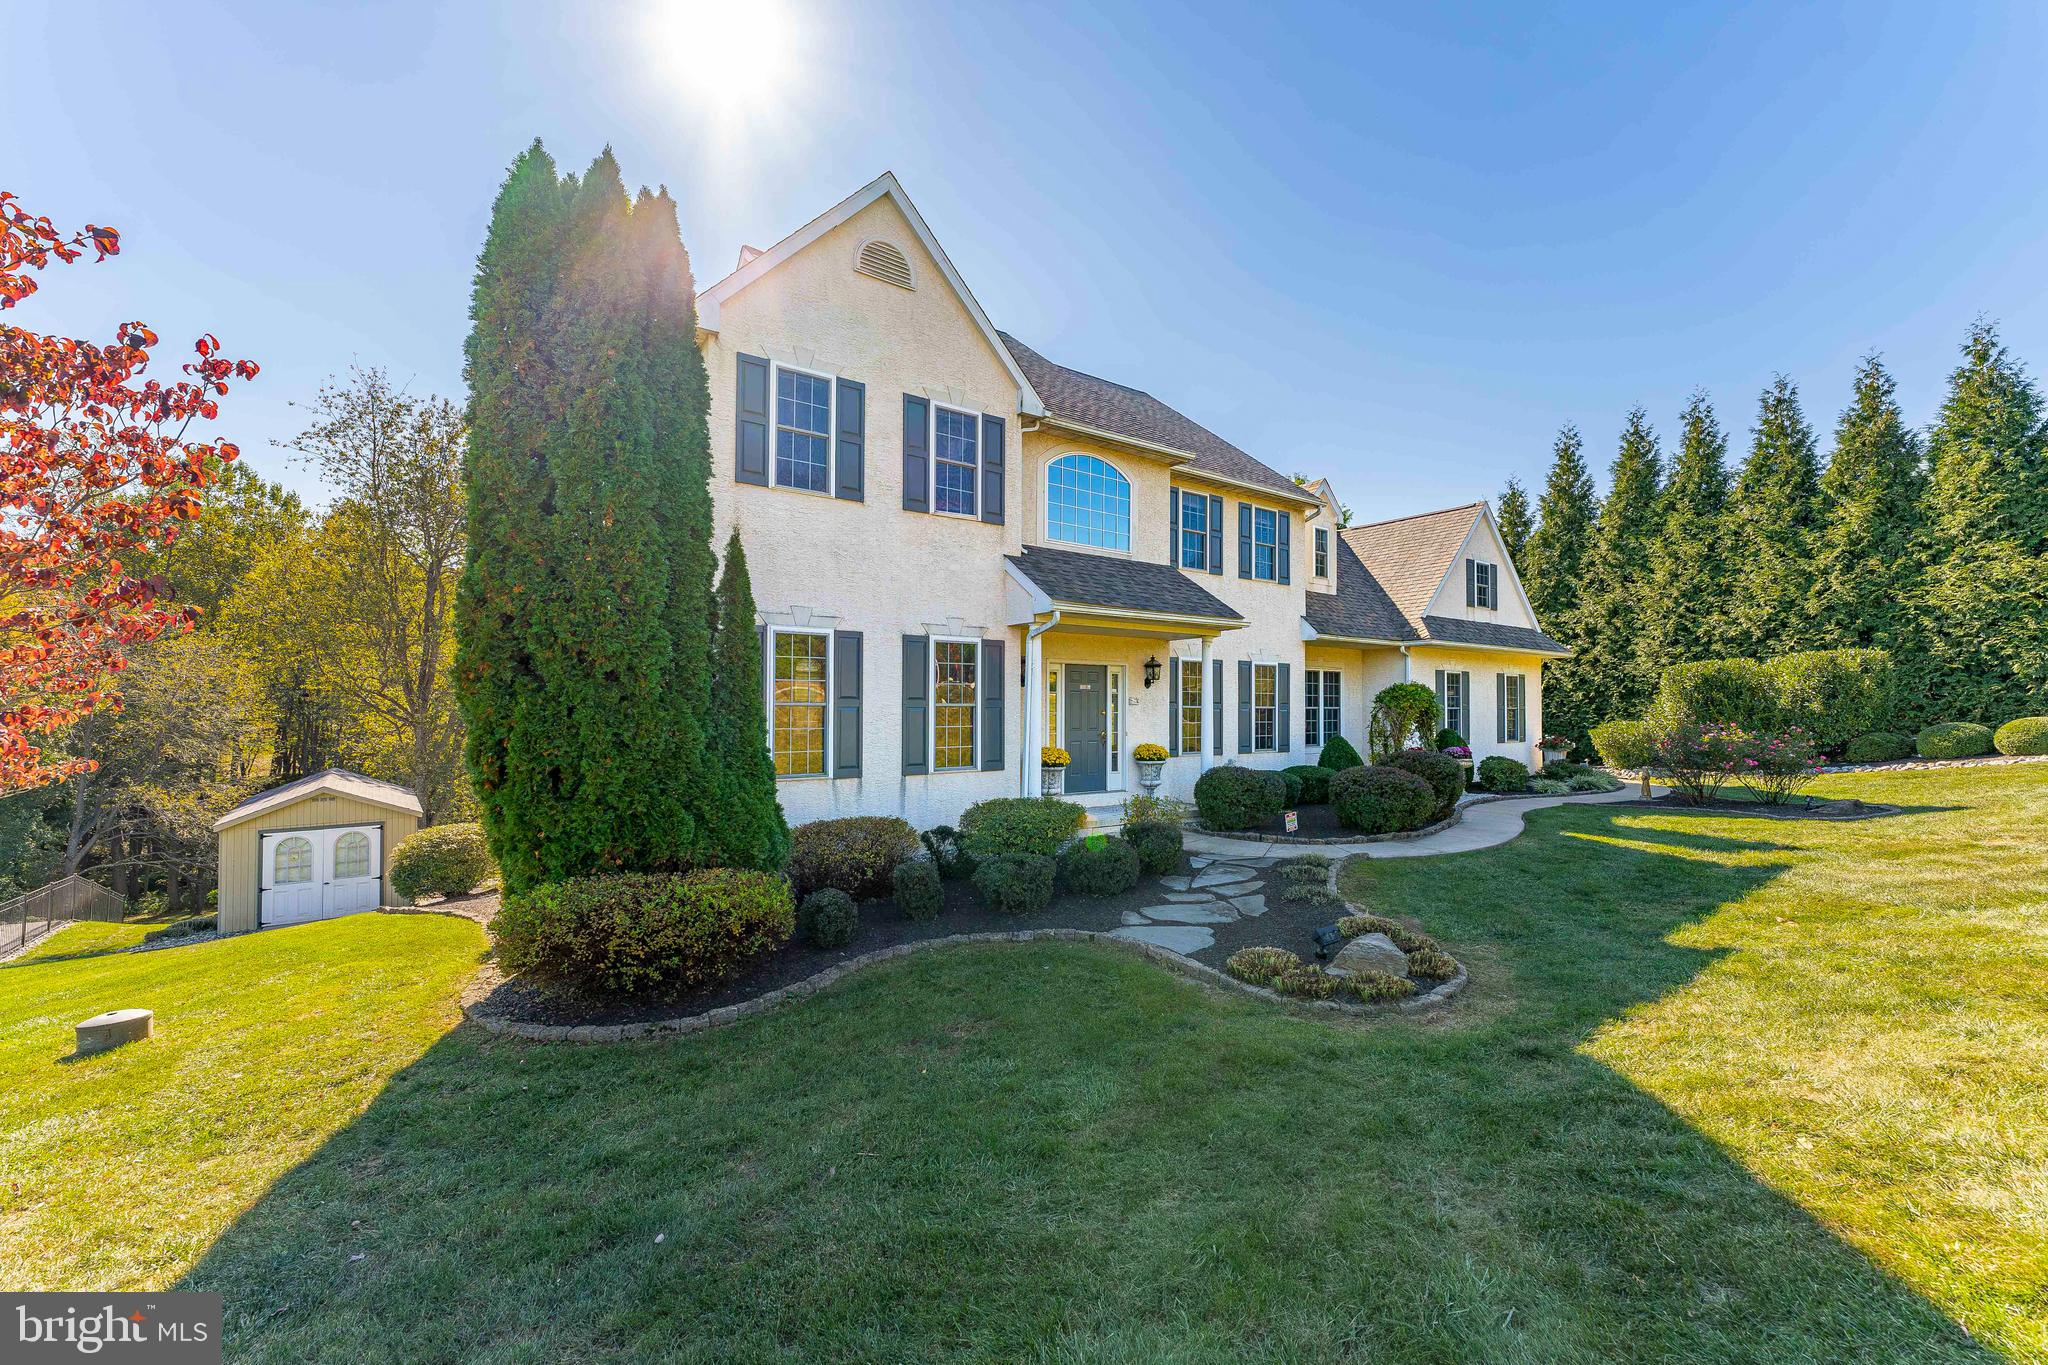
(1934, 547)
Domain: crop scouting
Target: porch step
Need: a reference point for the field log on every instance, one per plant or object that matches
(1105, 811)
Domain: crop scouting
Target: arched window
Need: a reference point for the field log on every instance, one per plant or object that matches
(1087, 502)
(352, 855)
(293, 861)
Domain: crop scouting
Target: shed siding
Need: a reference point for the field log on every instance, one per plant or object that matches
(241, 878)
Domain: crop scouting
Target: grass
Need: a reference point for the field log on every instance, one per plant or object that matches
(1723, 1089)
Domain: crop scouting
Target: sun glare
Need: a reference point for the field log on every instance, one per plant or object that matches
(726, 58)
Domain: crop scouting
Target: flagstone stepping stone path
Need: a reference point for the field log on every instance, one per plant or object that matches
(1218, 891)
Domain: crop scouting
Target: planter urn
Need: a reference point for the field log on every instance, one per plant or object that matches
(1151, 772)
(1052, 781)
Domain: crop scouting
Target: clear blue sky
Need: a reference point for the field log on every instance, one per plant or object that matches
(1398, 246)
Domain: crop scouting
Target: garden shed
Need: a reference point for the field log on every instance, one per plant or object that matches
(311, 849)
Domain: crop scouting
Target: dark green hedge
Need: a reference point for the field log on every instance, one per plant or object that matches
(1381, 800)
(1239, 798)
(644, 932)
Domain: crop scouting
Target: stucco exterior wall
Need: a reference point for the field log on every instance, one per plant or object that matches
(870, 565)
(1149, 482)
(1484, 666)
(1482, 542)
(239, 904)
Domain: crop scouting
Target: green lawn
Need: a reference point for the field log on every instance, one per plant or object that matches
(1726, 1089)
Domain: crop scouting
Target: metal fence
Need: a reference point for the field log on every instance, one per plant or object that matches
(27, 918)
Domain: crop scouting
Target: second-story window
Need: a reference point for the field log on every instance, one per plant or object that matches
(956, 462)
(1087, 502)
(1265, 542)
(1322, 552)
(1194, 531)
(803, 430)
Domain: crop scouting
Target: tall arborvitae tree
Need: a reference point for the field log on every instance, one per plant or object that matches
(1511, 514)
(1609, 676)
(585, 666)
(1554, 562)
(1866, 555)
(1688, 591)
(1985, 601)
(750, 830)
(1771, 530)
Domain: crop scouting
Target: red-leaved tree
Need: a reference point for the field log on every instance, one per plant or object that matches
(95, 464)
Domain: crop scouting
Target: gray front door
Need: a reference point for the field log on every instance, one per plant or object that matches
(1086, 708)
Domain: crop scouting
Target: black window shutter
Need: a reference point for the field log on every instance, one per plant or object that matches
(1173, 525)
(1500, 705)
(1522, 706)
(1465, 706)
(1471, 583)
(917, 685)
(917, 460)
(992, 453)
(846, 687)
(1216, 706)
(1244, 706)
(1216, 535)
(1286, 519)
(994, 687)
(1443, 710)
(1285, 686)
(1244, 540)
(750, 455)
(1173, 690)
(849, 453)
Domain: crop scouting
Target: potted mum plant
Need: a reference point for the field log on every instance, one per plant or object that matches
(1052, 770)
(1151, 760)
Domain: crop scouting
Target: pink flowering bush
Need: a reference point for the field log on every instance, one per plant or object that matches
(1776, 767)
(1698, 759)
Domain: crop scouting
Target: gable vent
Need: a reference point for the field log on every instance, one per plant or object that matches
(886, 262)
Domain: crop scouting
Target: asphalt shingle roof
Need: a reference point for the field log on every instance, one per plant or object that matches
(1360, 608)
(1410, 555)
(1452, 631)
(1129, 584)
(1133, 413)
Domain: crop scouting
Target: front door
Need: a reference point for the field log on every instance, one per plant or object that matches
(1086, 708)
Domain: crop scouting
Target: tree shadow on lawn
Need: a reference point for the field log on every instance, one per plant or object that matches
(1053, 1151)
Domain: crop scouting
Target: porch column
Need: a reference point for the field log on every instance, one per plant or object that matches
(1207, 755)
(1034, 710)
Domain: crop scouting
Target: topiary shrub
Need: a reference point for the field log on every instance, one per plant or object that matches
(857, 854)
(828, 917)
(1315, 783)
(441, 860)
(1099, 865)
(1406, 939)
(1404, 716)
(1016, 883)
(942, 842)
(920, 894)
(1499, 774)
(1447, 738)
(1158, 845)
(1261, 966)
(2027, 735)
(1036, 825)
(1293, 786)
(1625, 744)
(1377, 988)
(1879, 746)
(1239, 798)
(1381, 800)
(644, 932)
(1953, 739)
(1338, 754)
(1444, 774)
(1431, 964)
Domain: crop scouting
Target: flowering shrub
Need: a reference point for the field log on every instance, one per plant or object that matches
(1561, 743)
(1150, 753)
(1458, 750)
(1699, 759)
(1774, 768)
(1052, 756)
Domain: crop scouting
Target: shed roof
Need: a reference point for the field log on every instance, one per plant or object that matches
(328, 781)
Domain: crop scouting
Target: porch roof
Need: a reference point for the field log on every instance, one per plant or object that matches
(1078, 579)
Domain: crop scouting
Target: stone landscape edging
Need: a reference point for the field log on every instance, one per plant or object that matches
(775, 999)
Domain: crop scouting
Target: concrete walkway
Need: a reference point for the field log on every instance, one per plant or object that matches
(1486, 824)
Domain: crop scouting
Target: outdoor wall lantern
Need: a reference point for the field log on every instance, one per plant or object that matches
(1151, 670)
(1327, 938)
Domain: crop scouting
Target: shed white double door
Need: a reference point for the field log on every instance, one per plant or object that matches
(319, 873)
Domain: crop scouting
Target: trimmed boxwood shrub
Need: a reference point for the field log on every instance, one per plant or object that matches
(1261, 966)
(1444, 774)
(1447, 738)
(827, 918)
(919, 892)
(1015, 883)
(441, 860)
(857, 854)
(1158, 845)
(1736, 692)
(1239, 798)
(1099, 865)
(1338, 754)
(1038, 825)
(1381, 800)
(1499, 774)
(1879, 746)
(1315, 782)
(2027, 735)
(644, 932)
(1625, 744)
(942, 842)
(1293, 785)
(1953, 739)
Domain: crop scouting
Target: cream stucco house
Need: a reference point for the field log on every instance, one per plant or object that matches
(962, 551)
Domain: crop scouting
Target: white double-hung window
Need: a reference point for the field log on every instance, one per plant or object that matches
(1265, 543)
(956, 699)
(799, 691)
(1265, 707)
(1322, 706)
(956, 460)
(803, 430)
(1190, 683)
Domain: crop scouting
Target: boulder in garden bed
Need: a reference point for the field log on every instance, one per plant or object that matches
(1371, 953)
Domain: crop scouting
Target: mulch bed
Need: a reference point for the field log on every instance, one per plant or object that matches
(1798, 808)
(1314, 822)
